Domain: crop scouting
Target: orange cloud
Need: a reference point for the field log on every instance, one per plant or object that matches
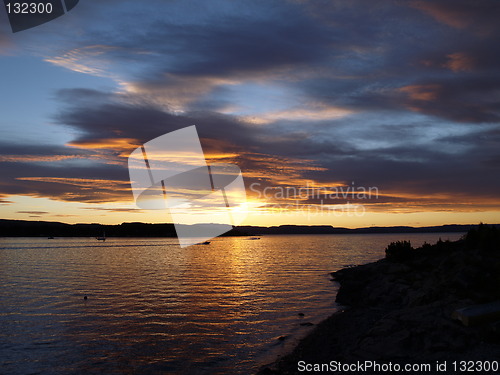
(37, 158)
(124, 210)
(462, 14)
(82, 182)
(447, 15)
(459, 61)
(115, 144)
(212, 157)
(82, 190)
(4, 201)
(421, 92)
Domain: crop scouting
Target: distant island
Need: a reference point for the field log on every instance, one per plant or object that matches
(25, 228)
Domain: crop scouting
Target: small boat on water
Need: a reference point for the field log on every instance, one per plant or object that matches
(101, 238)
(50, 237)
(203, 243)
(254, 238)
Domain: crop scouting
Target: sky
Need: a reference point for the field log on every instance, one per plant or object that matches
(347, 113)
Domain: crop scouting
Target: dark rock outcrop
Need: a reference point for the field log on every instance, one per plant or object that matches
(399, 309)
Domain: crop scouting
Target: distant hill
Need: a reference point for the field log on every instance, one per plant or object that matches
(22, 228)
(328, 229)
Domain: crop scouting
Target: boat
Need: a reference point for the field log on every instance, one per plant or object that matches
(203, 243)
(50, 238)
(102, 238)
(254, 238)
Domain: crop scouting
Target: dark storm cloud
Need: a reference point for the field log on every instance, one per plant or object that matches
(357, 54)
(243, 45)
(441, 174)
(470, 99)
(445, 49)
(270, 34)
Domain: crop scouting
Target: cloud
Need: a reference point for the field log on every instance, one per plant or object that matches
(124, 210)
(188, 64)
(5, 35)
(467, 100)
(398, 95)
(78, 189)
(405, 156)
(116, 144)
(313, 113)
(56, 172)
(5, 201)
(459, 62)
(424, 93)
(38, 158)
(173, 92)
(479, 16)
(89, 60)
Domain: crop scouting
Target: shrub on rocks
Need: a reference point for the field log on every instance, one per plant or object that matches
(399, 250)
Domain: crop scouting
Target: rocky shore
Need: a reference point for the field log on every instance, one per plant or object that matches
(399, 310)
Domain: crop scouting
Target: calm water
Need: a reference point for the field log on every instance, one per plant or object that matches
(153, 307)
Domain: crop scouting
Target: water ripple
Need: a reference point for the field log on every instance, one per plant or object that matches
(154, 307)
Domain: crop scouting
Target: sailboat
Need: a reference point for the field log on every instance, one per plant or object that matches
(102, 238)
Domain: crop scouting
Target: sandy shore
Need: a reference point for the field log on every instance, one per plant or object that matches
(400, 310)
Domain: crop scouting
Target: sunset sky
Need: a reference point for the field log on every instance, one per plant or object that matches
(401, 96)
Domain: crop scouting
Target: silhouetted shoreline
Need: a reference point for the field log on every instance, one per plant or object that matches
(22, 228)
(399, 310)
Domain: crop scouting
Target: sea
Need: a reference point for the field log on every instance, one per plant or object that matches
(152, 307)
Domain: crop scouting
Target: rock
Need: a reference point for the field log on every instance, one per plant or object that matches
(478, 314)
(401, 311)
(267, 371)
